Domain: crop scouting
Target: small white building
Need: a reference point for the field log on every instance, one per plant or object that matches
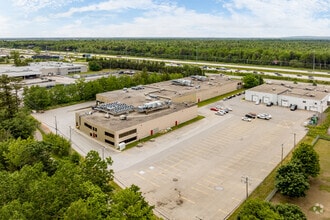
(305, 96)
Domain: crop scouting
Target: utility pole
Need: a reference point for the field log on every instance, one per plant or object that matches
(294, 140)
(246, 180)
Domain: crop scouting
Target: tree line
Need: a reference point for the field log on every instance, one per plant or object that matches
(277, 52)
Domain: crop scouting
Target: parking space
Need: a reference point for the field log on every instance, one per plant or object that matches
(198, 174)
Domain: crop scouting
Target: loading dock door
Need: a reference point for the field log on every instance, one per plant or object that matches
(255, 98)
(313, 108)
(266, 99)
(285, 103)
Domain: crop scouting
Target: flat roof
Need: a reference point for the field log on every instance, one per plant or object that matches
(32, 68)
(164, 90)
(301, 90)
(133, 118)
(139, 95)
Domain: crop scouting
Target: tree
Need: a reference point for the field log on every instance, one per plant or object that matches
(17, 59)
(15, 210)
(94, 65)
(308, 159)
(252, 80)
(22, 125)
(96, 170)
(8, 100)
(93, 206)
(78, 210)
(59, 146)
(36, 98)
(29, 152)
(130, 204)
(290, 212)
(257, 209)
(290, 181)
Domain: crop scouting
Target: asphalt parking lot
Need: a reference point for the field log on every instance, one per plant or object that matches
(198, 171)
(201, 170)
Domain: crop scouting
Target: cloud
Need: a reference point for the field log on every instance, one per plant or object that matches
(111, 5)
(35, 5)
(155, 18)
(4, 25)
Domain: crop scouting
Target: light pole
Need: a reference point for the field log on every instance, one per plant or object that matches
(70, 134)
(246, 180)
(55, 125)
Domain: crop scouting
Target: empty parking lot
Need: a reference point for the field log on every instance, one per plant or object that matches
(196, 172)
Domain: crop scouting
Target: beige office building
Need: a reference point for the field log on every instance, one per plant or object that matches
(128, 115)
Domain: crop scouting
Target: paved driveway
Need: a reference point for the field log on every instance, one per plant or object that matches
(198, 172)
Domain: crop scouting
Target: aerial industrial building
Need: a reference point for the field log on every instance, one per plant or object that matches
(304, 96)
(39, 69)
(128, 115)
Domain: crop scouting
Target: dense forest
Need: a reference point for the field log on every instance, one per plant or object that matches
(277, 52)
(48, 180)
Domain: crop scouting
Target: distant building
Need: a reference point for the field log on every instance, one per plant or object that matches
(38, 69)
(47, 57)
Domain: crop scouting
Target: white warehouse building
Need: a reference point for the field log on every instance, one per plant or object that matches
(305, 96)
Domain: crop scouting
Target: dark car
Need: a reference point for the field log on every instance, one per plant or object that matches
(293, 107)
(250, 116)
(269, 104)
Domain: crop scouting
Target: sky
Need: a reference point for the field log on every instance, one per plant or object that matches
(164, 18)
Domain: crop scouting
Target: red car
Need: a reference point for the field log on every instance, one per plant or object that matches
(214, 109)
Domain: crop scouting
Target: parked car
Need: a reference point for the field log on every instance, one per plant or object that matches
(244, 118)
(250, 116)
(265, 116)
(221, 113)
(214, 109)
(269, 104)
(293, 107)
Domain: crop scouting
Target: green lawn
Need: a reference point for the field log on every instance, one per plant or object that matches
(322, 147)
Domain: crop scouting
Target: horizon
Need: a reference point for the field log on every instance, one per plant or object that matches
(174, 38)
